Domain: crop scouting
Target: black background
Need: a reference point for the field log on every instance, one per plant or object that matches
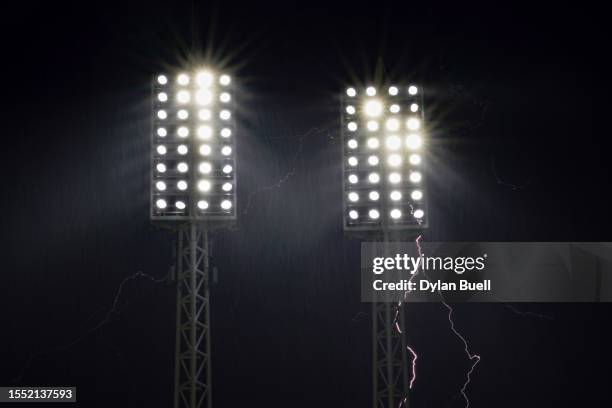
(515, 155)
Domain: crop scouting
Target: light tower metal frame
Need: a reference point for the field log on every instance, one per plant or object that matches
(389, 357)
(390, 376)
(193, 215)
(193, 380)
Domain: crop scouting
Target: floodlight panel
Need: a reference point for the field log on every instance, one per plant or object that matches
(193, 143)
(384, 146)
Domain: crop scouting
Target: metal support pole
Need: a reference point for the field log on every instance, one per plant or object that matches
(193, 306)
(404, 347)
(390, 380)
(179, 306)
(207, 316)
(192, 365)
(375, 367)
(389, 354)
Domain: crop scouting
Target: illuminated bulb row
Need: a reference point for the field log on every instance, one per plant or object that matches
(393, 160)
(392, 91)
(203, 97)
(202, 78)
(203, 132)
(393, 142)
(202, 204)
(205, 150)
(203, 114)
(395, 195)
(204, 168)
(203, 185)
(395, 213)
(394, 178)
(392, 124)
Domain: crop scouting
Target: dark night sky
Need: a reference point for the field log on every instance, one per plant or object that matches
(512, 94)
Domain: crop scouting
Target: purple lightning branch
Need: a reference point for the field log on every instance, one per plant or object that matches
(473, 357)
(115, 309)
(414, 359)
(399, 330)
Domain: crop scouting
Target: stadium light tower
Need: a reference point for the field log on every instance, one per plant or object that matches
(193, 191)
(383, 200)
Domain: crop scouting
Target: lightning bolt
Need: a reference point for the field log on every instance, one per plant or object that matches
(473, 357)
(399, 330)
(109, 314)
(279, 183)
(414, 359)
(527, 313)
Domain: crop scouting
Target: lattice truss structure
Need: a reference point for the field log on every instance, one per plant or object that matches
(390, 372)
(192, 363)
